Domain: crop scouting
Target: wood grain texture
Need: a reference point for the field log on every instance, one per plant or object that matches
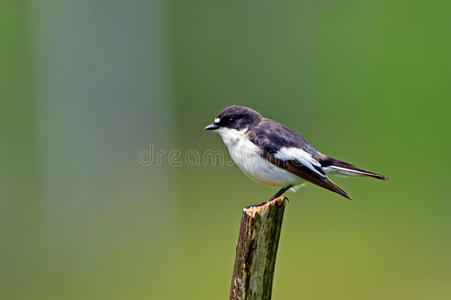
(256, 251)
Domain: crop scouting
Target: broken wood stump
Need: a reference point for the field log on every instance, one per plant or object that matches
(256, 250)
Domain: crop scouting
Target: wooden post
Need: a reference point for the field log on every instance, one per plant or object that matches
(256, 251)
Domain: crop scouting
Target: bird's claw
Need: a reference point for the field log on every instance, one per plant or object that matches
(256, 205)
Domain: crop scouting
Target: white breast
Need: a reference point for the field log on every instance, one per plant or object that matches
(247, 156)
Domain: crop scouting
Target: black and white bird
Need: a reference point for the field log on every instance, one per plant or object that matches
(275, 155)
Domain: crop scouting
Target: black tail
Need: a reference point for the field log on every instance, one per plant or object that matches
(344, 168)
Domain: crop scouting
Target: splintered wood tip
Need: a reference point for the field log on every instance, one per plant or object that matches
(261, 208)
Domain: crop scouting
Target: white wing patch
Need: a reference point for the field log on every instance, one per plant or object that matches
(293, 153)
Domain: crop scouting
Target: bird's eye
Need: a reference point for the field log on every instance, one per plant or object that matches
(230, 119)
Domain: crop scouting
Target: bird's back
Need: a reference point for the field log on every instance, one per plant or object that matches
(274, 135)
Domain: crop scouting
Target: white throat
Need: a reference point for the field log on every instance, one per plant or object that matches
(231, 137)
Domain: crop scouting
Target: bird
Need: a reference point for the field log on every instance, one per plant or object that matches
(275, 155)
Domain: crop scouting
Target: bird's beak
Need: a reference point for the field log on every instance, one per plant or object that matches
(212, 127)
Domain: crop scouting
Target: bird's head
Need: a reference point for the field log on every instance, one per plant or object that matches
(235, 117)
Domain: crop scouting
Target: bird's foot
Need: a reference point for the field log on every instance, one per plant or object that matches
(256, 205)
(274, 198)
(263, 203)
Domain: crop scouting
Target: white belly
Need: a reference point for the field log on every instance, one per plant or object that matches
(247, 156)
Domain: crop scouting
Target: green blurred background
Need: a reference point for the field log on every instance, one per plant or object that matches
(86, 86)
